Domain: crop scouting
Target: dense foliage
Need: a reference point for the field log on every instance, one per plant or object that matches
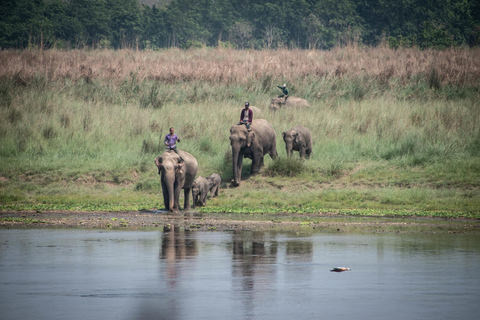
(242, 24)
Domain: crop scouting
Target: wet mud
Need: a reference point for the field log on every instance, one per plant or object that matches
(224, 222)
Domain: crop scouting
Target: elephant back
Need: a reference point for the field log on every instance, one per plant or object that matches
(261, 125)
(191, 168)
(297, 102)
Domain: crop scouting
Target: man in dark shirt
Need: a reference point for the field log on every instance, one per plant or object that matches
(284, 92)
(246, 116)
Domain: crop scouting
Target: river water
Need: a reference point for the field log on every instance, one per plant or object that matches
(92, 274)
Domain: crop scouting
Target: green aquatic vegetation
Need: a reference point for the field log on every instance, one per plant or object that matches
(23, 220)
(346, 212)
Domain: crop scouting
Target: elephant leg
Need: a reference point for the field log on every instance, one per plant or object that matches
(166, 199)
(186, 204)
(216, 191)
(302, 153)
(273, 153)
(256, 164)
(239, 167)
(177, 196)
(194, 203)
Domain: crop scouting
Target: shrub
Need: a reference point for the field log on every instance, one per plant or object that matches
(286, 167)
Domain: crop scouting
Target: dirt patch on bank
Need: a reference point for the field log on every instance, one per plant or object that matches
(226, 222)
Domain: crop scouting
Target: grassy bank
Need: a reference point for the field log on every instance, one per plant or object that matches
(395, 132)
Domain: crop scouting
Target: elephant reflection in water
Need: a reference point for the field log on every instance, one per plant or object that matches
(253, 268)
(176, 245)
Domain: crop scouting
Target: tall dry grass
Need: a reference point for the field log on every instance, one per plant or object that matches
(454, 67)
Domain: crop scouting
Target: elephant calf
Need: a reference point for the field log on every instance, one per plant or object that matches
(215, 181)
(200, 188)
(298, 139)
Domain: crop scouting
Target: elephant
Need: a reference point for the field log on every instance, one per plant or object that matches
(200, 188)
(257, 113)
(296, 102)
(298, 139)
(252, 144)
(176, 174)
(215, 180)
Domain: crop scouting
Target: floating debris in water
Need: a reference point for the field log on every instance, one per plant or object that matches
(340, 269)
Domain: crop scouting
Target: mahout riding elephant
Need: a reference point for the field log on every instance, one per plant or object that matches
(298, 139)
(252, 144)
(200, 188)
(176, 174)
(295, 102)
(215, 181)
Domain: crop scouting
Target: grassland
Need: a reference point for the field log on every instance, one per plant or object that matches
(395, 132)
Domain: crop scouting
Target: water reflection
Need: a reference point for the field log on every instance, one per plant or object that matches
(253, 269)
(181, 274)
(176, 245)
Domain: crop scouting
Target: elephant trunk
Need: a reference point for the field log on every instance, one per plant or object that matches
(169, 184)
(237, 162)
(289, 147)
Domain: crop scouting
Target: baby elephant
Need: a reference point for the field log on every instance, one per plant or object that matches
(298, 139)
(215, 181)
(200, 189)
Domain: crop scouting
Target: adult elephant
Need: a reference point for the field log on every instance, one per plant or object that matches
(253, 144)
(298, 139)
(295, 102)
(175, 176)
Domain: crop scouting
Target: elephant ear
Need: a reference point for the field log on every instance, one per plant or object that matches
(158, 162)
(296, 137)
(250, 138)
(179, 165)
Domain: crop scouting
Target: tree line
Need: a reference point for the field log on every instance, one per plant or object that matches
(257, 24)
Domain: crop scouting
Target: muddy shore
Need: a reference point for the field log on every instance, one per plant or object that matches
(151, 220)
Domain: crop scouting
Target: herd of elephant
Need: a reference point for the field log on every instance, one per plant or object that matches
(178, 171)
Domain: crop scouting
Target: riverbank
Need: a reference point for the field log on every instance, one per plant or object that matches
(160, 220)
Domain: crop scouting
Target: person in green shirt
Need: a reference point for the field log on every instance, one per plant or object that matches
(284, 92)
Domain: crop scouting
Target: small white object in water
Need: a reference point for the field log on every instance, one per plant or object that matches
(340, 269)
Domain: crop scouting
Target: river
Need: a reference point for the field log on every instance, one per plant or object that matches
(178, 274)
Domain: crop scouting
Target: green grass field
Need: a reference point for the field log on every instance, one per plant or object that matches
(383, 145)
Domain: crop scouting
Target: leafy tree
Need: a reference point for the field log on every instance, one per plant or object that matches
(91, 19)
(183, 22)
(340, 19)
(315, 32)
(241, 33)
(124, 22)
(153, 30)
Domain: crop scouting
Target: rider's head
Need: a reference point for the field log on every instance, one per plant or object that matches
(247, 104)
